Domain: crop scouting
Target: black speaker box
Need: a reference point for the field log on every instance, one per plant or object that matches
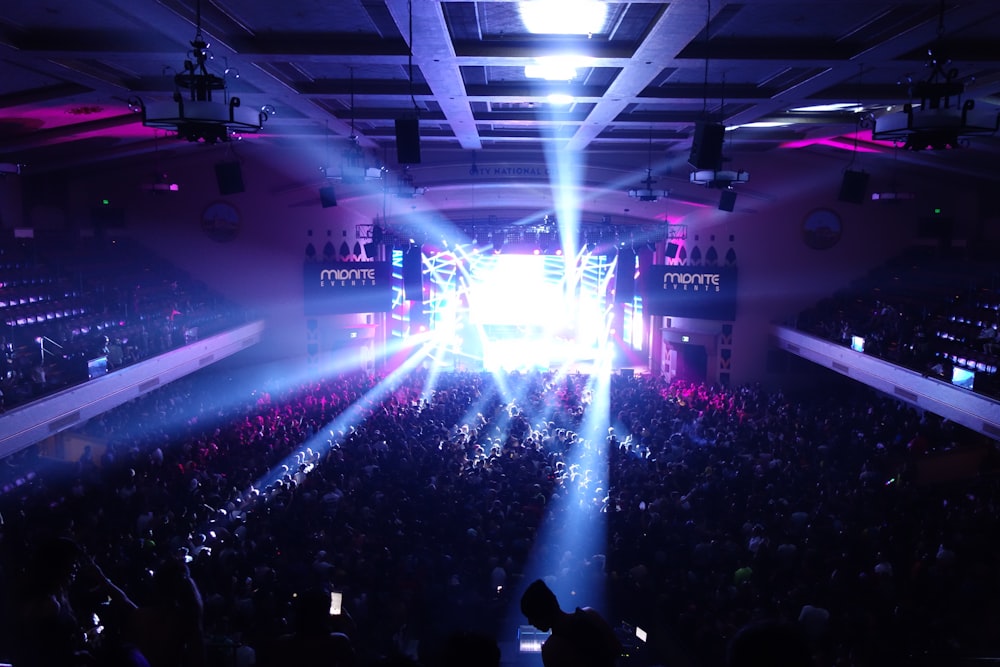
(706, 146)
(854, 187)
(672, 249)
(727, 200)
(408, 141)
(625, 276)
(229, 177)
(327, 197)
(413, 285)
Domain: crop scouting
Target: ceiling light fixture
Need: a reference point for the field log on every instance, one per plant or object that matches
(931, 120)
(556, 68)
(853, 107)
(647, 193)
(759, 124)
(719, 178)
(706, 149)
(192, 113)
(405, 189)
(559, 99)
(563, 17)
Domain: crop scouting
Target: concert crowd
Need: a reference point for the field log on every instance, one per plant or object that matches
(232, 507)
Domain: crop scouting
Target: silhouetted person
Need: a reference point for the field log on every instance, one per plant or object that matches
(769, 644)
(313, 643)
(170, 629)
(579, 639)
(464, 649)
(49, 631)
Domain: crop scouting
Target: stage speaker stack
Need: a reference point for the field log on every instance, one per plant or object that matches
(706, 146)
(229, 178)
(327, 196)
(727, 200)
(854, 187)
(413, 270)
(408, 141)
(625, 276)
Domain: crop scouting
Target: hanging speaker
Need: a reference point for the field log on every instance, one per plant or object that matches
(625, 276)
(229, 177)
(854, 187)
(408, 141)
(727, 200)
(706, 145)
(327, 197)
(413, 287)
(672, 249)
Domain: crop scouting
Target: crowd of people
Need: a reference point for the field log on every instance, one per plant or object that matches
(922, 310)
(223, 511)
(74, 310)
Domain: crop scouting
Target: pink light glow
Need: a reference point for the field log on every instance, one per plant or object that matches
(844, 142)
(34, 118)
(674, 219)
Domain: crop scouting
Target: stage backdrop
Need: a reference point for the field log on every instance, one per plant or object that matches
(705, 292)
(336, 288)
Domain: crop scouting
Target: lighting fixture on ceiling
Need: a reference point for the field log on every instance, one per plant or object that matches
(405, 189)
(853, 107)
(192, 113)
(354, 167)
(646, 192)
(560, 99)
(936, 117)
(556, 68)
(893, 196)
(719, 178)
(161, 183)
(709, 139)
(563, 17)
(760, 124)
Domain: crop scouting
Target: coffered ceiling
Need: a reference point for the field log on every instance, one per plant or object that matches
(644, 76)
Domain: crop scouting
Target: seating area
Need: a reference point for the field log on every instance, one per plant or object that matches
(934, 312)
(73, 309)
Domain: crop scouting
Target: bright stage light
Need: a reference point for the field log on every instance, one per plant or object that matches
(513, 311)
(532, 314)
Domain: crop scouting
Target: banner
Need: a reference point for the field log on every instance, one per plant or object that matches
(704, 292)
(336, 288)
